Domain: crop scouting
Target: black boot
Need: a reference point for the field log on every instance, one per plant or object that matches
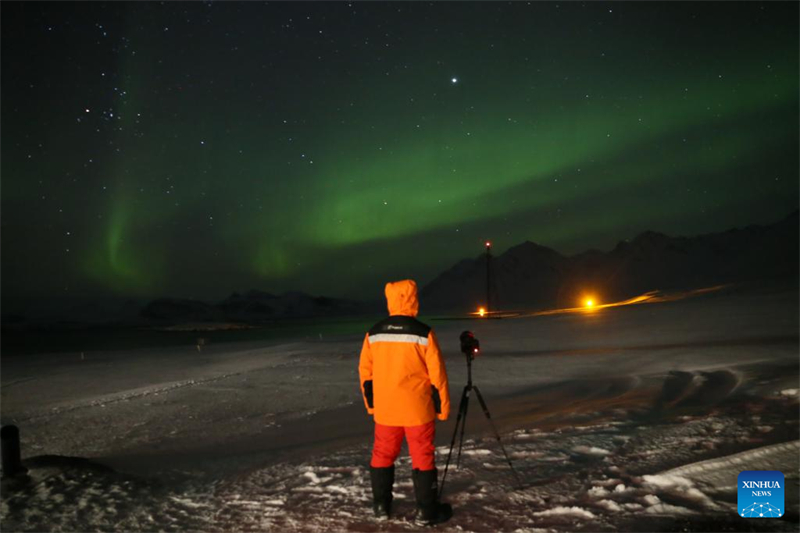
(382, 481)
(426, 488)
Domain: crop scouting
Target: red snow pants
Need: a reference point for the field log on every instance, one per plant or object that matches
(388, 440)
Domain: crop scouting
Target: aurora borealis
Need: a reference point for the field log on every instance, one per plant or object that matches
(190, 149)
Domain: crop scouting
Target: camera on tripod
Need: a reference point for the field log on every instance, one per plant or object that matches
(470, 345)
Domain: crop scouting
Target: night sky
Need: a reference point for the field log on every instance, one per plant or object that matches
(194, 149)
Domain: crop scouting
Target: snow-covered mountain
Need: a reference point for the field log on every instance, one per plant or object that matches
(252, 306)
(529, 275)
(259, 304)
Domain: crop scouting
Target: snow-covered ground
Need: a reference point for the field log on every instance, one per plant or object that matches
(633, 418)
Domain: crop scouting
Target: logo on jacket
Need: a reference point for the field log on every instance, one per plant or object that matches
(401, 328)
(761, 494)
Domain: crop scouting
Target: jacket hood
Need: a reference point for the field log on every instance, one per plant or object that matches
(401, 297)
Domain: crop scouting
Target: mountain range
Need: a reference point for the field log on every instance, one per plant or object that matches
(252, 306)
(526, 276)
(534, 277)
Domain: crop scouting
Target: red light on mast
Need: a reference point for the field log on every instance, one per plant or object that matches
(488, 244)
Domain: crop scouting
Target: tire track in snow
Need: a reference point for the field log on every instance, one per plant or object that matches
(135, 394)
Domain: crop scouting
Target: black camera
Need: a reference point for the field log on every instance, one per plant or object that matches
(470, 345)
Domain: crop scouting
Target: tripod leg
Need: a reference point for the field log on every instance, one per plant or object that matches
(496, 434)
(461, 418)
(463, 426)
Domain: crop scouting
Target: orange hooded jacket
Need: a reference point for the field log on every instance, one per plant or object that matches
(403, 377)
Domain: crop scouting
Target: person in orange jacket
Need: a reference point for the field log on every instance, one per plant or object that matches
(404, 384)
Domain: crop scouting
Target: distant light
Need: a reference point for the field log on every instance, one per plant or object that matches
(488, 244)
(454, 80)
(475, 350)
(481, 311)
(589, 303)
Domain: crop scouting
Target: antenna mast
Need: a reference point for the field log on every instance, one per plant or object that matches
(488, 275)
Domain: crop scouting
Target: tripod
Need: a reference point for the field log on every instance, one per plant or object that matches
(469, 351)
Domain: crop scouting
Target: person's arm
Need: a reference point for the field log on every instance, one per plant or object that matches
(438, 375)
(365, 374)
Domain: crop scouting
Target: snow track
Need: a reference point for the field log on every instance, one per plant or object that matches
(764, 458)
(122, 397)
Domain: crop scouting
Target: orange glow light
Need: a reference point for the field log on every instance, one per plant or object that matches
(481, 311)
(592, 303)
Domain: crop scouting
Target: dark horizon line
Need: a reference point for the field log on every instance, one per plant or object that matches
(77, 301)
